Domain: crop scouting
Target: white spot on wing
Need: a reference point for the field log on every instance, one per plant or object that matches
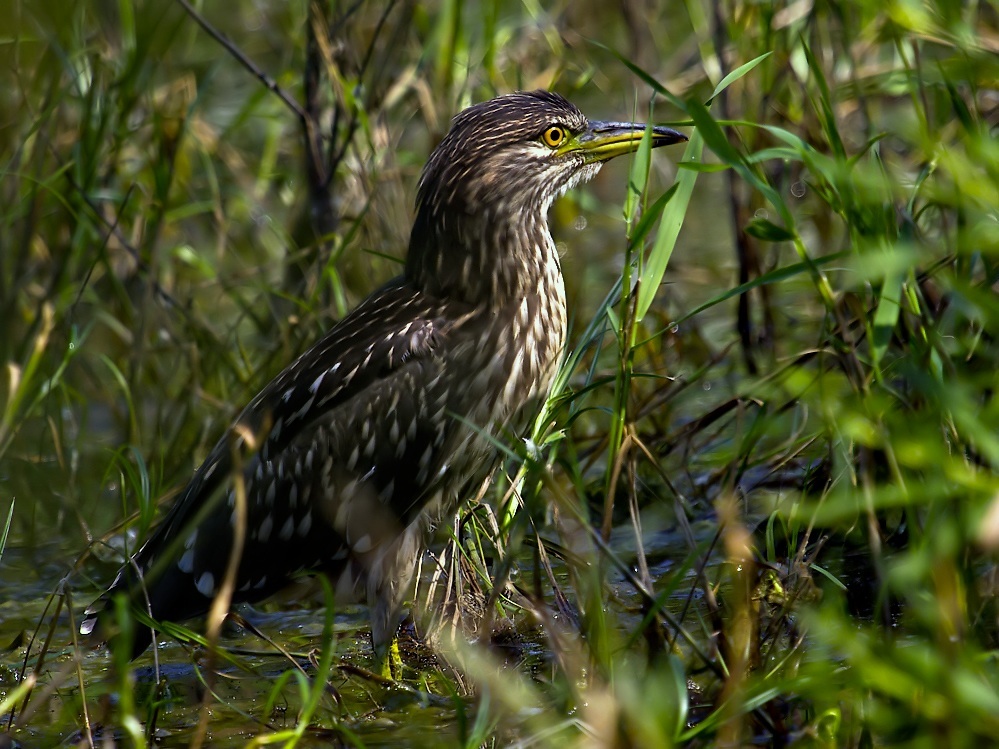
(265, 528)
(305, 525)
(303, 410)
(186, 562)
(206, 584)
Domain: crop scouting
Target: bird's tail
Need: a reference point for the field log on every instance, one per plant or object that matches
(173, 596)
(102, 624)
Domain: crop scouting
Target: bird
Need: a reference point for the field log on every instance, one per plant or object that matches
(355, 452)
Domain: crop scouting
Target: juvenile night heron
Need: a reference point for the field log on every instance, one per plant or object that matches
(380, 429)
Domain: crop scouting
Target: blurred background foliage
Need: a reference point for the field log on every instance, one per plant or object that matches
(768, 507)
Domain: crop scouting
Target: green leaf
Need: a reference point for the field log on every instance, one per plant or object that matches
(718, 142)
(703, 168)
(669, 227)
(639, 174)
(885, 319)
(646, 77)
(768, 231)
(6, 527)
(737, 74)
(826, 114)
(775, 276)
(650, 215)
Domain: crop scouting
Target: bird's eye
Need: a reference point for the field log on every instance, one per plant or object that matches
(554, 136)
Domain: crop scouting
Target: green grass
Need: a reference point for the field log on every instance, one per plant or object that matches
(761, 504)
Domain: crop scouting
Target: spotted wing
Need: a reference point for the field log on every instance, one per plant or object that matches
(350, 437)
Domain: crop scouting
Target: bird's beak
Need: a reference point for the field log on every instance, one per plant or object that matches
(605, 140)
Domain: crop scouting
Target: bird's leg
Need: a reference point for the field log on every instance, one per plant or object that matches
(390, 661)
(385, 637)
(388, 657)
(390, 578)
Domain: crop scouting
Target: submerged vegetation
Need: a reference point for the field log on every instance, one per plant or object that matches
(762, 505)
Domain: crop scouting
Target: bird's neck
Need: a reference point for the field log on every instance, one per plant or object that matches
(490, 259)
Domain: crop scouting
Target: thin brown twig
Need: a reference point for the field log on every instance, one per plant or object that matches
(220, 604)
(245, 61)
(88, 732)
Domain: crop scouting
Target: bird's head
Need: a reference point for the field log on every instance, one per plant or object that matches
(520, 152)
(481, 211)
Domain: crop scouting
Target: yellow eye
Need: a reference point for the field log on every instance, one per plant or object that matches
(554, 136)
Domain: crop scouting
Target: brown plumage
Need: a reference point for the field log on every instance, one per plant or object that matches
(379, 430)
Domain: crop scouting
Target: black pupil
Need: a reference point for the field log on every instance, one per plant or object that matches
(554, 134)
